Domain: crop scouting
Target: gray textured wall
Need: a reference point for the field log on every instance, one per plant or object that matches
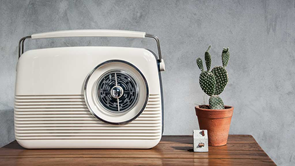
(260, 33)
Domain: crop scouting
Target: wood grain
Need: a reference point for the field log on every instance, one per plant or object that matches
(172, 150)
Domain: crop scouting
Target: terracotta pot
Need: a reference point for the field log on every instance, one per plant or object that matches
(217, 122)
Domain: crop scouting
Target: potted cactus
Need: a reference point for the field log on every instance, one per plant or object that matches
(215, 117)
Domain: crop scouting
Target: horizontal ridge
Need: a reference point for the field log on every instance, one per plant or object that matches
(66, 117)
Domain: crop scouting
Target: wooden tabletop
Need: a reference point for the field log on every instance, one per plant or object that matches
(172, 150)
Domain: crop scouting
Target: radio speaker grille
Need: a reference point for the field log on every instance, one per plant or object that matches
(66, 117)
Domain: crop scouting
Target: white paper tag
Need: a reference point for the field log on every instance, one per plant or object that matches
(200, 140)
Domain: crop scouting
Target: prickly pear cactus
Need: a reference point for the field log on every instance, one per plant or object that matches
(215, 102)
(221, 79)
(225, 57)
(207, 82)
(200, 64)
(208, 59)
(213, 82)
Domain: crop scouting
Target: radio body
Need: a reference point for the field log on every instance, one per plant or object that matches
(89, 97)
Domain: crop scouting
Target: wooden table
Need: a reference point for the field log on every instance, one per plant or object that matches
(172, 150)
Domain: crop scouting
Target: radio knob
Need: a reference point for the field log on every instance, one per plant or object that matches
(117, 92)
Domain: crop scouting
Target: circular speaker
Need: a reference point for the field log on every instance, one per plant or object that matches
(116, 92)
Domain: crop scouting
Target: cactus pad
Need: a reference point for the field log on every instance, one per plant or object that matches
(208, 59)
(225, 56)
(207, 82)
(215, 102)
(200, 64)
(221, 79)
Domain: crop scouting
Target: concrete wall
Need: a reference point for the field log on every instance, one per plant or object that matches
(260, 34)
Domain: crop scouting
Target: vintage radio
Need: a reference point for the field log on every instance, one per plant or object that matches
(89, 97)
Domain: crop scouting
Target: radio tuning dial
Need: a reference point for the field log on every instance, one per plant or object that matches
(117, 91)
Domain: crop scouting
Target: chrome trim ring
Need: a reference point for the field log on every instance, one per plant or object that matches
(86, 98)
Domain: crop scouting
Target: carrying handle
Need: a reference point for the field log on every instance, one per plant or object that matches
(90, 33)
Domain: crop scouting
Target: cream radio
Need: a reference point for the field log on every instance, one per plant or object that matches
(89, 97)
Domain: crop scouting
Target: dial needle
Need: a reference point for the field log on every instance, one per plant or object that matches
(117, 98)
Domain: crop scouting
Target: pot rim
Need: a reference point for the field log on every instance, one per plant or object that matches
(214, 113)
(227, 108)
